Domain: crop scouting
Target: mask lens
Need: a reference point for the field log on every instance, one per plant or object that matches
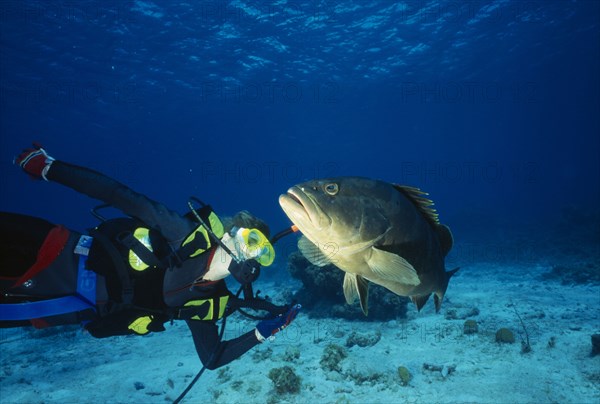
(257, 246)
(253, 238)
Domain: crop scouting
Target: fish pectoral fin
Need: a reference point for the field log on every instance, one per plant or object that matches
(356, 286)
(313, 253)
(392, 267)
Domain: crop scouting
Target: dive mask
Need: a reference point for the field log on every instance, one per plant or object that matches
(252, 244)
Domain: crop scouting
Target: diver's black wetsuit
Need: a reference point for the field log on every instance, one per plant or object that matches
(159, 288)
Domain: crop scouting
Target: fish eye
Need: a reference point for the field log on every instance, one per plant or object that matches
(331, 189)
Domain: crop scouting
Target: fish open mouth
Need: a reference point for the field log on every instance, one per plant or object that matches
(294, 198)
(300, 208)
(292, 203)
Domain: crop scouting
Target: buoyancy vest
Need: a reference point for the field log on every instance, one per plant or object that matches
(127, 276)
(147, 261)
(139, 241)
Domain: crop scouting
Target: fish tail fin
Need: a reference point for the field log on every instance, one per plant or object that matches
(439, 296)
(446, 239)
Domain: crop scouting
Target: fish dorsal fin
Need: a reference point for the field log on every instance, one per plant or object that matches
(446, 239)
(392, 267)
(357, 286)
(420, 301)
(424, 205)
(312, 252)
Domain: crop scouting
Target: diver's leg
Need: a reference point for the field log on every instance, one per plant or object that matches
(21, 237)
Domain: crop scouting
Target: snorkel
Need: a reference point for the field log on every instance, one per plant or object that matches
(212, 235)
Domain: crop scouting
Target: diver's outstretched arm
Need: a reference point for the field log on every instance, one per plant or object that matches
(38, 164)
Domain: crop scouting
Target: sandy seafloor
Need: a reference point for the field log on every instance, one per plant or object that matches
(72, 367)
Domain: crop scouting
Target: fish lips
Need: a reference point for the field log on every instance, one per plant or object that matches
(303, 210)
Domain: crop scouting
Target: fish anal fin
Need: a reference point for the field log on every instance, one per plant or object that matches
(356, 286)
(420, 301)
(437, 299)
(392, 267)
(439, 296)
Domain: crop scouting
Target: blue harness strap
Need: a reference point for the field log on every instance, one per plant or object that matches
(83, 299)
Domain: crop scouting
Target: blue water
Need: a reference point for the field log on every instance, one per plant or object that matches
(491, 106)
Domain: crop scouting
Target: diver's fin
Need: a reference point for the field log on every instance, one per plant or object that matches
(446, 239)
(439, 296)
(392, 267)
(357, 286)
(312, 253)
(420, 301)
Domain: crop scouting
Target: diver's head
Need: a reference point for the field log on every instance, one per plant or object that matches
(252, 244)
(249, 237)
(246, 220)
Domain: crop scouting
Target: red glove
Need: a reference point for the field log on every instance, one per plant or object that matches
(35, 161)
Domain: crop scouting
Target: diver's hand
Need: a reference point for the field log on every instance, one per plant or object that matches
(34, 161)
(268, 328)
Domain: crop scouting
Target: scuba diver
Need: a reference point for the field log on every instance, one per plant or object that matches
(130, 275)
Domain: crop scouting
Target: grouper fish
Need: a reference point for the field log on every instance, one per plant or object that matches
(374, 231)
